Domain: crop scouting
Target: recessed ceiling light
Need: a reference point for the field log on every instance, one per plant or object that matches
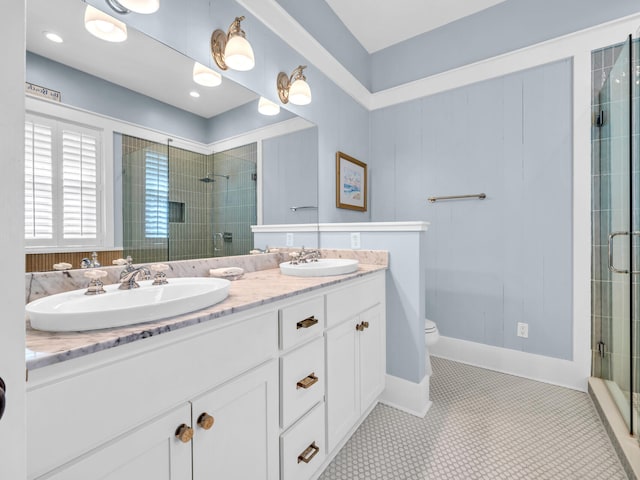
(194, 94)
(54, 37)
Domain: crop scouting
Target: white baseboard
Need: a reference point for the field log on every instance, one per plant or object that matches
(407, 396)
(535, 367)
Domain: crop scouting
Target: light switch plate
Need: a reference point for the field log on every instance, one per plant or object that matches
(289, 240)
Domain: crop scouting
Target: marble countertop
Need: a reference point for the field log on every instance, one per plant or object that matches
(252, 290)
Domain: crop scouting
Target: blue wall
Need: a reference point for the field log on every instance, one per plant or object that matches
(507, 26)
(289, 178)
(96, 95)
(506, 259)
(240, 120)
(342, 122)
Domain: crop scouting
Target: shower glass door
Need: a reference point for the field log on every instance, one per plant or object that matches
(616, 234)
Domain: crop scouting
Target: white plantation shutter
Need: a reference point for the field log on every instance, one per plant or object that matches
(62, 184)
(79, 185)
(38, 180)
(156, 212)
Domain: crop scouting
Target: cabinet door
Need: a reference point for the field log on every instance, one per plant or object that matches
(242, 443)
(343, 382)
(372, 356)
(151, 451)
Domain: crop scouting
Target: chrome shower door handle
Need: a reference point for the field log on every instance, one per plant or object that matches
(612, 235)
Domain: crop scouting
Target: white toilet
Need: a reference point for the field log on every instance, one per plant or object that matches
(431, 336)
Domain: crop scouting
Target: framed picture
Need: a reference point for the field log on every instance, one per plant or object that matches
(351, 183)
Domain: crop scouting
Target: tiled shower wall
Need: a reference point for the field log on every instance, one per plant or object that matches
(234, 200)
(211, 209)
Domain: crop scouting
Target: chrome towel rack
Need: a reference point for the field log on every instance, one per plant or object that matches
(306, 207)
(479, 196)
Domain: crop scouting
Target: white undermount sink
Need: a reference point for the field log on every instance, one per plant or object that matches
(322, 268)
(74, 311)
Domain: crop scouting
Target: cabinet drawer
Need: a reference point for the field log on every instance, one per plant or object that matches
(302, 381)
(302, 448)
(301, 321)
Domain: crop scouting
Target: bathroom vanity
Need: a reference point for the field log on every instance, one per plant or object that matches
(268, 384)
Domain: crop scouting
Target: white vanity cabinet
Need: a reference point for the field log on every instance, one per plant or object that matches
(236, 428)
(76, 408)
(356, 357)
(152, 451)
(302, 388)
(264, 394)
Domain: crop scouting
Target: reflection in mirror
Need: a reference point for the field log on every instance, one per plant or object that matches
(180, 205)
(183, 177)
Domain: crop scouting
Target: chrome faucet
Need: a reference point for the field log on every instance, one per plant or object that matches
(304, 256)
(129, 276)
(93, 263)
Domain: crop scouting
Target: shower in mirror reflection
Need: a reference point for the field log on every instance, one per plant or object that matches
(208, 178)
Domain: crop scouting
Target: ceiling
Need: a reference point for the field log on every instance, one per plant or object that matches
(139, 64)
(378, 24)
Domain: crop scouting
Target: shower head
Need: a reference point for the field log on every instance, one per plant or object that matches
(208, 178)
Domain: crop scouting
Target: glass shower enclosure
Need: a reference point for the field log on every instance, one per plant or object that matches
(616, 225)
(179, 205)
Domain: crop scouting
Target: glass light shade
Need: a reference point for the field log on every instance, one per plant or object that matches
(205, 76)
(267, 107)
(104, 26)
(141, 6)
(238, 54)
(299, 92)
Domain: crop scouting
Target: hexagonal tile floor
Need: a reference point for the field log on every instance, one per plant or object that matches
(483, 425)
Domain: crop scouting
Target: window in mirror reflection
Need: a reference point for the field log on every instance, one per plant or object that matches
(62, 164)
(156, 200)
(179, 204)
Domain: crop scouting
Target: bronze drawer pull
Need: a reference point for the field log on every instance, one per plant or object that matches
(307, 322)
(305, 457)
(307, 381)
(365, 324)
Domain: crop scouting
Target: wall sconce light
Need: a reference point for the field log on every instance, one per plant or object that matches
(295, 88)
(104, 26)
(267, 107)
(137, 6)
(206, 77)
(232, 49)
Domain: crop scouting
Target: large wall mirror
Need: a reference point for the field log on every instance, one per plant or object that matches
(175, 170)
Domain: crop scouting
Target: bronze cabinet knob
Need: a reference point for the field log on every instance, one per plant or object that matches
(184, 433)
(205, 421)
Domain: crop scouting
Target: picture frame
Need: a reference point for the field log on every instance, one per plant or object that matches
(351, 183)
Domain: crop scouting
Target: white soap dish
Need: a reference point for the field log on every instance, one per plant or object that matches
(229, 273)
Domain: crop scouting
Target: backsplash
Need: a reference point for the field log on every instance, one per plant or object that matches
(41, 284)
(43, 262)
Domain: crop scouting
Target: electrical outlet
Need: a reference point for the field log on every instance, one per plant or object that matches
(523, 330)
(289, 240)
(355, 240)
